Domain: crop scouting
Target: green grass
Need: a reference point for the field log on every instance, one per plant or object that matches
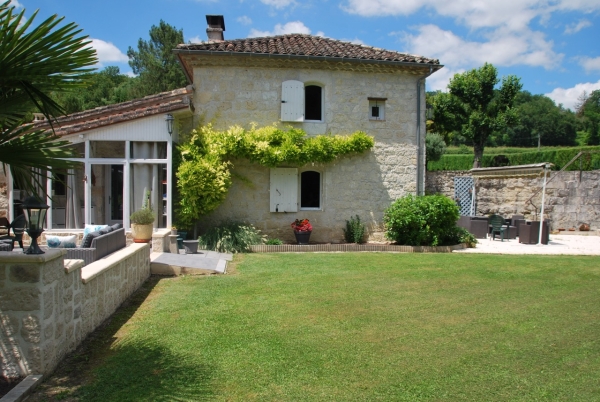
(362, 327)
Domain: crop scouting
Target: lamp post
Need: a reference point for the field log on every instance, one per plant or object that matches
(35, 211)
(169, 119)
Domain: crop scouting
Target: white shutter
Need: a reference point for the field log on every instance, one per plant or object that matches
(284, 190)
(292, 101)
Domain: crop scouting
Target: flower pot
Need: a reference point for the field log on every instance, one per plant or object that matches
(191, 246)
(141, 233)
(181, 237)
(302, 237)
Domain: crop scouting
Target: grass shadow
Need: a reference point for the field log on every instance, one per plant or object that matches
(130, 372)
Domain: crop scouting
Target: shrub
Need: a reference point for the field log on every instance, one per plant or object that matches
(231, 237)
(143, 216)
(458, 235)
(354, 231)
(274, 242)
(420, 220)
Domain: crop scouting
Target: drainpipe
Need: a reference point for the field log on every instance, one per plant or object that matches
(420, 149)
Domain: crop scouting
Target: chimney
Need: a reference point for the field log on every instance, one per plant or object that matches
(216, 26)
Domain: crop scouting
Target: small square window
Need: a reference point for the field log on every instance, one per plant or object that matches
(377, 108)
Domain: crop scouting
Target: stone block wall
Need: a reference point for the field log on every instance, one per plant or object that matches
(364, 185)
(48, 305)
(572, 198)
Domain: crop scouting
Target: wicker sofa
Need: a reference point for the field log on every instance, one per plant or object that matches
(102, 244)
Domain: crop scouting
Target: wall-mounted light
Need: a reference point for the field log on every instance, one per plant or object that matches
(169, 119)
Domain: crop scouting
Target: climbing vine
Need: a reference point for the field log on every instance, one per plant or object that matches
(204, 174)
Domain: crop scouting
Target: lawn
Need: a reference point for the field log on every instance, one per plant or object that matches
(352, 327)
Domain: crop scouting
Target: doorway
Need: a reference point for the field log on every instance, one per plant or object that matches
(114, 194)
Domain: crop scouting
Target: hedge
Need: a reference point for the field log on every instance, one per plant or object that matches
(558, 156)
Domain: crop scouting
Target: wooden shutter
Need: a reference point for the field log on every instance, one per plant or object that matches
(284, 190)
(292, 101)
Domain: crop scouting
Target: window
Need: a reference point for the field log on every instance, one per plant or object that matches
(312, 102)
(310, 190)
(377, 108)
(284, 189)
(300, 102)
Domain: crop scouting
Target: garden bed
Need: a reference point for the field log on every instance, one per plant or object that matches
(331, 247)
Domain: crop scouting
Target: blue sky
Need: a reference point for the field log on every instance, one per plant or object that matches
(552, 45)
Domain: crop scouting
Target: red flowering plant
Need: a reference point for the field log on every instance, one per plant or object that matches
(301, 225)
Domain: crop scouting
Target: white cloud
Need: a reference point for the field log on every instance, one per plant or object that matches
(278, 3)
(288, 28)
(439, 80)
(569, 96)
(108, 53)
(16, 4)
(514, 14)
(503, 48)
(590, 64)
(196, 39)
(244, 20)
(576, 27)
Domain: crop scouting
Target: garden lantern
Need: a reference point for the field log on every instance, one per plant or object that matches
(35, 212)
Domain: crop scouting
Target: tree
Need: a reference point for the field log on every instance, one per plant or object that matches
(155, 62)
(590, 115)
(475, 108)
(435, 147)
(34, 61)
(541, 122)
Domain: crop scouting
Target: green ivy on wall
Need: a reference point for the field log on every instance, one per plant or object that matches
(204, 174)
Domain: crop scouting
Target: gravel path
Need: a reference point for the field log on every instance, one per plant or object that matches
(559, 244)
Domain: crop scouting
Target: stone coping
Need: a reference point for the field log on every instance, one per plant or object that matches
(20, 257)
(297, 248)
(94, 269)
(73, 265)
(22, 390)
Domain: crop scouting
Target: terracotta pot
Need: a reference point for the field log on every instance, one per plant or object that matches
(141, 233)
(584, 227)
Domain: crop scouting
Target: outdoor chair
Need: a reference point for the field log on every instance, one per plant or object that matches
(498, 227)
(18, 227)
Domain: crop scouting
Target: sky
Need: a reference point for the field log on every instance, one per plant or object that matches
(553, 46)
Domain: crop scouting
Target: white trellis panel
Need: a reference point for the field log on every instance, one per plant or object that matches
(292, 101)
(463, 193)
(284, 190)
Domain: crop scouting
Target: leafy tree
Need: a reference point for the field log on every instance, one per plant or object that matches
(475, 108)
(155, 62)
(541, 122)
(589, 113)
(435, 147)
(106, 87)
(34, 61)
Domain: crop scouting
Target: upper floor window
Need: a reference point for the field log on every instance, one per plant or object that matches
(300, 102)
(377, 108)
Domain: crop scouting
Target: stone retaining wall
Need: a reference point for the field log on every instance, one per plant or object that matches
(48, 305)
(572, 198)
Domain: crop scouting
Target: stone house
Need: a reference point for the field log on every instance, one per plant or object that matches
(321, 85)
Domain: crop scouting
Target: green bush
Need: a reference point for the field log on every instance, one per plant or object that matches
(143, 216)
(421, 220)
(458, 235)
(231, 237)
(354, 231)
(274, 242)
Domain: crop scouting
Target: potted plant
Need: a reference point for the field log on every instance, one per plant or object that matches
(302, 230)
(173, 230)
(141, 225)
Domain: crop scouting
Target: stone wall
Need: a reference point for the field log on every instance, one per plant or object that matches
(363, 185)
(572, 198)
(48, 305)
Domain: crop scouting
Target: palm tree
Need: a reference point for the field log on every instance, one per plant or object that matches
(34, 62)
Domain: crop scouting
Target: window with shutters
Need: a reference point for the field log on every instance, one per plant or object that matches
(301, 102)
(284, 187)
(377, 108)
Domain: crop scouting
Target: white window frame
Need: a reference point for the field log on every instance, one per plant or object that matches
(380, 104)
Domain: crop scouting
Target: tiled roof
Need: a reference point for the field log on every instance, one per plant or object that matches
(164, 102)
(305, 45)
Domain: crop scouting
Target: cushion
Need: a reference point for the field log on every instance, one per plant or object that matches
(92, 228)
(104, 231)
(117, 226)
(87, 240)
(61, 241)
